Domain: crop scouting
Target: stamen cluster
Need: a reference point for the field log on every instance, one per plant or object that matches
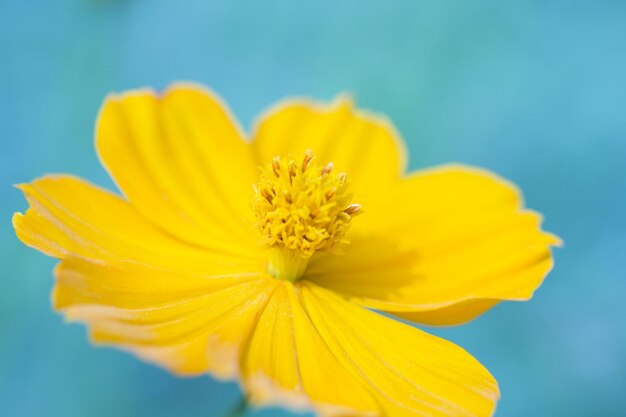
(302, 206)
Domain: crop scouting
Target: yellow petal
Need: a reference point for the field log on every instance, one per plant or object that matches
(288, 362)
(182, 162)
(186, 323)
(313, 349)
(137, 287)
(70, 217)
(441, 247)
(363, 145)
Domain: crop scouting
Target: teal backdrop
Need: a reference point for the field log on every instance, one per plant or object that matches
(534, 90)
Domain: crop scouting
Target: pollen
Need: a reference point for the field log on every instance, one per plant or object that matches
(302, 208)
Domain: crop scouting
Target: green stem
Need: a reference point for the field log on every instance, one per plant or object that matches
(239, 409)
(287, 264)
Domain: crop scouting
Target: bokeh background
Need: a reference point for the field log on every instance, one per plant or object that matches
(534, 90)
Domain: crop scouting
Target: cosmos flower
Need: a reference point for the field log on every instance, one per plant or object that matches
(264, 260)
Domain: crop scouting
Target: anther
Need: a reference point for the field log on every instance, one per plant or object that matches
(292, 169)
(352, 209)
(328, 168)
(268, 196)
(330, 193)
(308, 157)
(341, 178)
(276, 166)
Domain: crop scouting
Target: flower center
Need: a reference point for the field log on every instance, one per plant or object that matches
(301, 208)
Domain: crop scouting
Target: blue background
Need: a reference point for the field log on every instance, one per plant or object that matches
(534, 90)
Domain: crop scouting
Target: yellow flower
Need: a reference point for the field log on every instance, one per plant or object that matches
(259, 260)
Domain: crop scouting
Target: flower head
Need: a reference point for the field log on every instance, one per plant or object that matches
(246, 259)
(303, 208)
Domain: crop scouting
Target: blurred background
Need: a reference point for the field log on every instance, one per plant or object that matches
(534, 90)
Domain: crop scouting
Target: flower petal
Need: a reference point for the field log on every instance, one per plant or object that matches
(441, 247)
(311, 348)
(363, 145)
(187, 323)
(70, 217)
(181, 161)
(287, 362)
(136, 287)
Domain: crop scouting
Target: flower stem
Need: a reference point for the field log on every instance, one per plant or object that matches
(239, 409)
(287, 264)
